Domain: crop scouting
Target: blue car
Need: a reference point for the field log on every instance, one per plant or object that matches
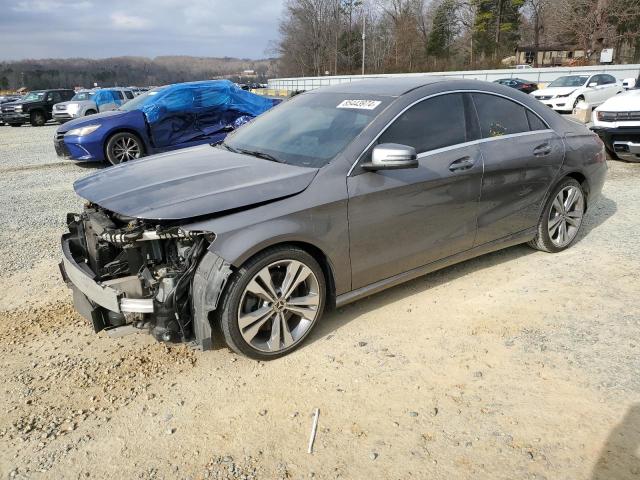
(165, 118)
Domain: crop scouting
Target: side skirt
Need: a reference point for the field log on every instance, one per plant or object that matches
(515, 239)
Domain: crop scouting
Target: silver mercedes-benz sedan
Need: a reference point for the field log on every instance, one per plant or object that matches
(329, 197)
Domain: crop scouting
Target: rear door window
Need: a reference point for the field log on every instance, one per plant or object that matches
(499, 116)
(431, 124)
(534, 122)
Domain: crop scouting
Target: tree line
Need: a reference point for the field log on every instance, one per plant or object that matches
(319, 37)
(126, 71)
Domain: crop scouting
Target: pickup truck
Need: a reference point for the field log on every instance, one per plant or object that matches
(617, 123)
(36, 107)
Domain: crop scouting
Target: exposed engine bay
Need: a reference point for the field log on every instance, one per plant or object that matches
(150, 265)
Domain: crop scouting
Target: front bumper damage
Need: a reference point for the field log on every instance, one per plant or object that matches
(128, 278)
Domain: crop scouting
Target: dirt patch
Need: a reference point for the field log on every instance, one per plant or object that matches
(518, 364)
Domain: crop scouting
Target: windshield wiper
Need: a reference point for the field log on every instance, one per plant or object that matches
(227, 147)
(255, 153)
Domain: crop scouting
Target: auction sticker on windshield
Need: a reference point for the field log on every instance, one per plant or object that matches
(361, 104)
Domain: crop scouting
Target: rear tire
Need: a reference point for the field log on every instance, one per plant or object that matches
(123, 147)
(561, 218)
(272, 303)
(38, 118)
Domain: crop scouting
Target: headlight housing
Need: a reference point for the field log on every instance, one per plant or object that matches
(606, 116)
(18, 108)
(566, 94)
(82, 131)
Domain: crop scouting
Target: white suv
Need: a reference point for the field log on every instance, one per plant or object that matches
(564, 93)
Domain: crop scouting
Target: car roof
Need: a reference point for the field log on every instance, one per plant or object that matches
(390, 86)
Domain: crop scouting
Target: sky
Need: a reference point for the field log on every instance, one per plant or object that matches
(106, 28)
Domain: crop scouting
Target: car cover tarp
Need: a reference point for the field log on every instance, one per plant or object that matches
(185, 112)
(105, 97)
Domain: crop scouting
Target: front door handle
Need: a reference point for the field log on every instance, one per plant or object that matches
(464, 163)
(542, 150)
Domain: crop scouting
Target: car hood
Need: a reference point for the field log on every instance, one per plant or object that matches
(193, 182)
(93, 119)
(554, 91)
(628, 101)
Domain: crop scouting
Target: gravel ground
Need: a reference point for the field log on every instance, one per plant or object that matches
(36, 194)
(518, 364)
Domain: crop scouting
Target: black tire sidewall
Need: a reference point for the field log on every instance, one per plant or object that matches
(112, 139)
(90, 112)
(543, 228)
(230, 301)
(38, 119)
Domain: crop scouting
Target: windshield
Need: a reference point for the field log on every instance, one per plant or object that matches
(140, 101)
(570, 81)
(83, 96)
(308, 130)
(33, 96)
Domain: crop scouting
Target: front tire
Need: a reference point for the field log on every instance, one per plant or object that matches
(89, 112)
(38, 118)
(272, 303)
(561, 218)
(123, 147)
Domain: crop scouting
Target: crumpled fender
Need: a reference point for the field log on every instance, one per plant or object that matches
(208, 284)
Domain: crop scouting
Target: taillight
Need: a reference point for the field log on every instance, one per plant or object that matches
(601, 156)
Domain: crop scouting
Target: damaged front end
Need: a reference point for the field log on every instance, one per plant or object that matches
(128, 273)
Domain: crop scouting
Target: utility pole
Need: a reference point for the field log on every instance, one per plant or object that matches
(364, 36)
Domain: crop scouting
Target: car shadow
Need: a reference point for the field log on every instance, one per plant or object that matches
(335, 319)
(619, 457)
(597, 215)
(92, 165)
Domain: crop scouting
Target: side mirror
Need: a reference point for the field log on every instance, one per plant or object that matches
(392, 156)
(593, 84)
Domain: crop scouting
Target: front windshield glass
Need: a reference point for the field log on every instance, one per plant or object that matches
(83, 96)
(33, 96)
(570, 81)
(308, 130)
(140, 101)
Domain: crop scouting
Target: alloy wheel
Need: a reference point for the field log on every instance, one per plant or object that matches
(565, 216)
(279, 306)
(126, 148)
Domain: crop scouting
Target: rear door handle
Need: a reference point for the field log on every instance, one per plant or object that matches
(464, 163)
(542, 150)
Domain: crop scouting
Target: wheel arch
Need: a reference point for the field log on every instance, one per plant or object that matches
(582, 180)
(312, 249)
(117, 130)
(210, 283)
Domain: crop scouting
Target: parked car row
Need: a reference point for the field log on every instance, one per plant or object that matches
(90, 102)
(35, 107)
(39, 106)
